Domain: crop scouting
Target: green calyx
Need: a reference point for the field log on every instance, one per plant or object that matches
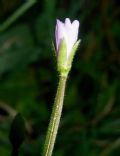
(63, 63)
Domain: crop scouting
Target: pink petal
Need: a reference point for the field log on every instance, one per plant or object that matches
(59, 33)
(75, 28)
(68, 28)
(67, 23)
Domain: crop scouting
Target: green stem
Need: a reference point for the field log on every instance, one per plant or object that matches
(55, 118)
(17, 14)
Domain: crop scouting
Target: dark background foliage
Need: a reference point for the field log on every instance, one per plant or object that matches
(90, 124)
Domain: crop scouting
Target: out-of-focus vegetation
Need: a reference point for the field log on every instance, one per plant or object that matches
(90, 124)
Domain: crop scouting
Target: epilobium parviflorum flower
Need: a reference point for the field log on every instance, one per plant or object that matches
(66, 35)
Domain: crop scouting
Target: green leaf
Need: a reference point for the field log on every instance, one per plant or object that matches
(17, 132)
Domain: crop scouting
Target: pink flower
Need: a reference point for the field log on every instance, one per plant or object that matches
(67, 31)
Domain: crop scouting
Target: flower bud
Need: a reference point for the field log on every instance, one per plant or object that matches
(66, 35)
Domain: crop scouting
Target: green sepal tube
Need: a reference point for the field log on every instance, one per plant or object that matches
(64, 62)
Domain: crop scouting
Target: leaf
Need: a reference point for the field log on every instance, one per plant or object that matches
(17, 132)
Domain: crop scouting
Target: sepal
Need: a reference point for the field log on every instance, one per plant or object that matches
(64, 62)
(72, 53)
(62, 56)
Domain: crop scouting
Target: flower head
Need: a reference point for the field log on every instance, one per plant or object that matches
(66, 35)
(67, 31)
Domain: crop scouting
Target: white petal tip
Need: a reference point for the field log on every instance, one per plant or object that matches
(76, 23)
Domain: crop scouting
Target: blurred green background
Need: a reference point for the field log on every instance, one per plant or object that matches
(90, 124)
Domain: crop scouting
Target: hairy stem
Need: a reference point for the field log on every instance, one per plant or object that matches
(55, 118)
